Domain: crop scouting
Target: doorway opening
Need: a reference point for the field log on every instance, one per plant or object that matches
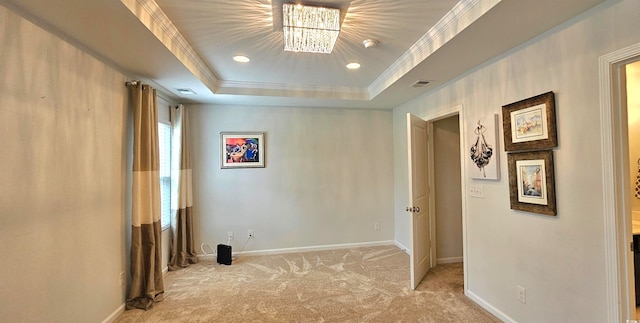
(447, 190)
(632, 86)
(617, 190)
(445, 183)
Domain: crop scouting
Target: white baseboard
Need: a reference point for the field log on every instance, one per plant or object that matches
(302, 249)
(114, 315)
(401, 247)
(496, 312)
(450, 260)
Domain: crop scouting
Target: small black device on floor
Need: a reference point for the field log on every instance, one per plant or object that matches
(224, 254)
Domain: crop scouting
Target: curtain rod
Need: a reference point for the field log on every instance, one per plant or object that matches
(134, 83)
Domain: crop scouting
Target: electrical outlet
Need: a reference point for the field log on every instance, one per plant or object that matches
(122, 278)
(230, 235)
(376, 226)
(476, 191)
(522, 294)
(251, 236)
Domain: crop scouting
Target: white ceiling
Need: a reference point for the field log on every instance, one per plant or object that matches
(190, 44)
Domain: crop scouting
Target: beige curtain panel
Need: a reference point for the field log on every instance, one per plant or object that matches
(182, 247)
(147, 286)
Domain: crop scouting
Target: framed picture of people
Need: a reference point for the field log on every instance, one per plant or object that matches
(241, 149)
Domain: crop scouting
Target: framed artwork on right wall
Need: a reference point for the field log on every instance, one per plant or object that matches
(530, 123)
(532, 182)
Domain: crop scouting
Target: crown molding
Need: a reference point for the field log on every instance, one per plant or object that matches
(157, 22)
(291, 90)
(461, 16)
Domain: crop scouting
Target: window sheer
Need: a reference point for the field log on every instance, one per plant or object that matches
(164, 140)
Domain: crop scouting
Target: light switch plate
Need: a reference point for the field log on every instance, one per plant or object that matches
(476, 191)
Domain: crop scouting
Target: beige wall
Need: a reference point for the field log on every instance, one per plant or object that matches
(328, 177)
(62, 197)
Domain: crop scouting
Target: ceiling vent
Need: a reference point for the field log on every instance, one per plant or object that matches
(420, 83)
(186, 91)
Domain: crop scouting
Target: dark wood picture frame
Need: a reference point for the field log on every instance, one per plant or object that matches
(529, 189)
(530, 124)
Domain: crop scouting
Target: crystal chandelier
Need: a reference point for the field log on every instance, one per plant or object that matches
(310, 29)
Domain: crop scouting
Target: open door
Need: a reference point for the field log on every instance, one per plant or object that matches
(418, 199)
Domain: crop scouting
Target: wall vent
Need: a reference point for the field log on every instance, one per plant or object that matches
(420, 83)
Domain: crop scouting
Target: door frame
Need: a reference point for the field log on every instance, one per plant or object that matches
(430, 117)
(433, 261)
(615, 188)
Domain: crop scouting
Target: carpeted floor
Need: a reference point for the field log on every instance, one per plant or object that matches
(368, 284)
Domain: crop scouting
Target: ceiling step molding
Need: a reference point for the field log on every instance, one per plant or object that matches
(152, 17)
(291, 90)
(461, 16)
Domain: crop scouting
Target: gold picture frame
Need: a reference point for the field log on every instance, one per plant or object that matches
(530, 124)
(532, 182)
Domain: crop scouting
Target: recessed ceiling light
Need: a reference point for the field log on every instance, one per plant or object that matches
(353, 66)
(241, 59)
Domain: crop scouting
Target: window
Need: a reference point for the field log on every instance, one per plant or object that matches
(164, 139)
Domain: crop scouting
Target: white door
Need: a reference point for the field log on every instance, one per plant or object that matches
(418, 199)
